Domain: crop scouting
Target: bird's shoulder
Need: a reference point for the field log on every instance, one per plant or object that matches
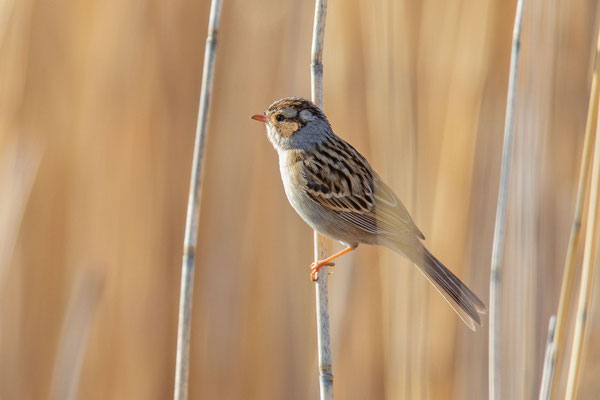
(334, 174)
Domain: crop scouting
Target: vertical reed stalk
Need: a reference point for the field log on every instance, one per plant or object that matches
(75, 333)
(587, 273)
(569, 268)
(191, 223)
(549, 359)
(322, 301)
(499, 229)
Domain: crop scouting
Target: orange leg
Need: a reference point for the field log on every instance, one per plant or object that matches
(315, 266)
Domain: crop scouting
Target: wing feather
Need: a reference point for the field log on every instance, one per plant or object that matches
(338, 178)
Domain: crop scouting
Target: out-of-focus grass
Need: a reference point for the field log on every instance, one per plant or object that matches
(108, 91)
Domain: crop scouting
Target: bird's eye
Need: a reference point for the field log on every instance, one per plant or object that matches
(279, 117)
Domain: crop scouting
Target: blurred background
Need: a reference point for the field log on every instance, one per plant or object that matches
(98, 103)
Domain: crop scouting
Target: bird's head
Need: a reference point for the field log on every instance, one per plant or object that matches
(294, 122)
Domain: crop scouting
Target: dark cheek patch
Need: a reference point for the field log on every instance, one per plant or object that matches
(288, 129)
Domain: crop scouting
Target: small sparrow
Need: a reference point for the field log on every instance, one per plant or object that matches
(335, 190)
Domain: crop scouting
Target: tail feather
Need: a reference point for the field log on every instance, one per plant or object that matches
(460, 297)
(466, 303)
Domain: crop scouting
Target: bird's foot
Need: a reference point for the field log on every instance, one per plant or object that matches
(315, 266)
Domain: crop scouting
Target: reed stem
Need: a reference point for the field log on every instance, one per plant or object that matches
(587, 273)
(549, 359)
(499, 229)
(575, 235)
(321, 290)
(191, 223)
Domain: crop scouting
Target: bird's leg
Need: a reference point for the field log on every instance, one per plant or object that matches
(315, 266)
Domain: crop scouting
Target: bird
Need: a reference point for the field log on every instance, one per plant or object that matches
(335, 191)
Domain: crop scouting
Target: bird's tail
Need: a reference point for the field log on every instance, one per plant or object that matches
(466, 304)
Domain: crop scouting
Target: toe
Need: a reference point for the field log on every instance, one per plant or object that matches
(313, 275)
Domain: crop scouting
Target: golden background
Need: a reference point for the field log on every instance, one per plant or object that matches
(98, 103)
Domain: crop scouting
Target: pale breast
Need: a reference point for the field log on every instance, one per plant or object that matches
(288, 160)
(315, 215)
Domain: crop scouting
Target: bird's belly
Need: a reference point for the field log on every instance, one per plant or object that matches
(321, 220)
(300, 201)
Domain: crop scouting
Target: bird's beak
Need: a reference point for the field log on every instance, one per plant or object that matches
(260, 117)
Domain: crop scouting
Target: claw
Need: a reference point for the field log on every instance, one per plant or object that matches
(315, 266)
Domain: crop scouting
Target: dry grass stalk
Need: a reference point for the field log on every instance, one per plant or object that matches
(499, 229)
(191, 223)
(587, 273)
(322, 300)
(549, 359)
(75, 335)
(19, 166)
(569, 268)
